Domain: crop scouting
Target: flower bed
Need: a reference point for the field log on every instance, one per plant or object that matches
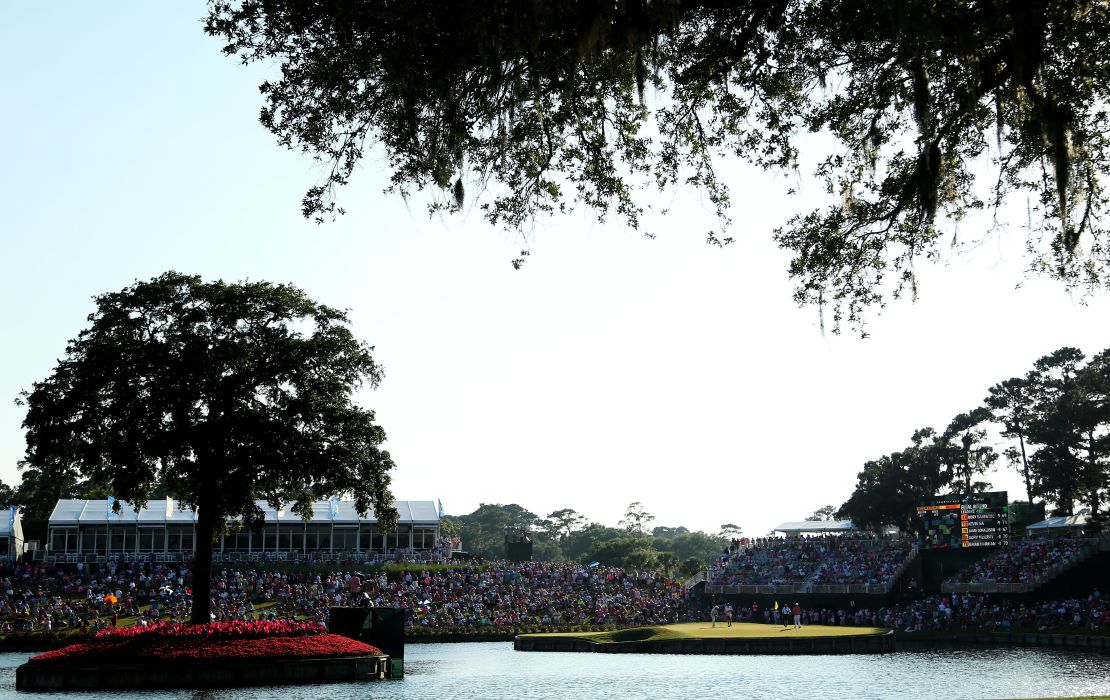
(217, 641)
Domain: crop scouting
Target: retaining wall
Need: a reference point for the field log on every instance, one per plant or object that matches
(61, 676)
(869, 644)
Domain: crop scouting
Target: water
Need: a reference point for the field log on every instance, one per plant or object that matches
(493, 670)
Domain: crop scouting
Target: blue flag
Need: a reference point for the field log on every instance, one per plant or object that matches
(334, 506)
(440, 507)
(111, 513)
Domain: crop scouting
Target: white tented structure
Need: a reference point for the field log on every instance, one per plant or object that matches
(816, 527)
(1058, 524)
(11, 533)
(164, 527)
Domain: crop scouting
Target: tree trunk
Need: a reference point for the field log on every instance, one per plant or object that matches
(202, 565)
(1092, 480)
(1025, 469)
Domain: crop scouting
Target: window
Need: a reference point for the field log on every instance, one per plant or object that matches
(369, 538)
(399, 538)
(152, 539)
(318, 538)
(180, 539)
(345, 540)
(63, 540)
(424, 538)
(94, 538)
(236, 541)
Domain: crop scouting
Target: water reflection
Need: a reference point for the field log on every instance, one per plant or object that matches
(495, 671)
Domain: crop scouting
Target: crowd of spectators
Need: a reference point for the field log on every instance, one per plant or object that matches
(819, 560)
(52, 597)
(956, 611)
(1029, 561)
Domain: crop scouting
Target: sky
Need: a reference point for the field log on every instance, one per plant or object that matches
(610, 369)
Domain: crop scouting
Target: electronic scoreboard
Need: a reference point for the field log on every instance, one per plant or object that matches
(968, 520)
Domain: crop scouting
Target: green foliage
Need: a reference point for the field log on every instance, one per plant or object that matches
(565, 535)
(692, 565)
(1059, 417)
(483, 532)
(1011, 405)
(822, 513)
(698, 545)
(565, 522)
(730, 531)
(963, 449)
(621, 550)
(664, 531)
(7, 495)
(889, 488)
(639, 559)
(577, 546)
(544, 106)
(1070, 427)
(221, 394)
(449, 525)
(636, 519)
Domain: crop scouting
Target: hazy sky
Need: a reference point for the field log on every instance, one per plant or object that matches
(610, 369)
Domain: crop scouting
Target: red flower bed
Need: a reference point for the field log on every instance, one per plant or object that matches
(234, 629)
(213, 642)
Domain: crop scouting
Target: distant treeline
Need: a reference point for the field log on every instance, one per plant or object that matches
(1051, 425)
(565, 535)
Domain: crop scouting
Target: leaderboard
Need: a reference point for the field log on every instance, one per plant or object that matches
(968, 520)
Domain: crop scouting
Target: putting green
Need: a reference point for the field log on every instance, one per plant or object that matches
(705, 630)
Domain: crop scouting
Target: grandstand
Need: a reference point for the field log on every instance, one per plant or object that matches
(1023, 566)
(165, 529)
(827, 564)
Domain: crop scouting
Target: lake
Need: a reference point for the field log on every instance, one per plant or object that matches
(493, 670)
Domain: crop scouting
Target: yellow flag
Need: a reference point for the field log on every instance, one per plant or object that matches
(776, 605)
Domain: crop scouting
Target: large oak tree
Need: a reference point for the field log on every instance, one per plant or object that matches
(221, 394)
(540, 106)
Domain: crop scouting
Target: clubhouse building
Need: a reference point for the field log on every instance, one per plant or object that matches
(166, 530)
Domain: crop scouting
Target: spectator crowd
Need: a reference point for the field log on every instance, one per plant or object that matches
(954, 612)
(46, 596)
(51, 597)
(825, 560)
(1029, 561)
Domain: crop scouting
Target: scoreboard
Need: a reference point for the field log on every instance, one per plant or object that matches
(968, 520)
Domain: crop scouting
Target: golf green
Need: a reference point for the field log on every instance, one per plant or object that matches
(707, 631)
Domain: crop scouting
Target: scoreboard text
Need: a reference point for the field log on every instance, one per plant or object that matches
(970, 520)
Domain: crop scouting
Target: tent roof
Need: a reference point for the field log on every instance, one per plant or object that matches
(1059, 522)
(7, 521)
(816, 526)
(74, 511)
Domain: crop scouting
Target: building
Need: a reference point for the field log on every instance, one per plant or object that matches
(11, 533)
(817, 527)
(89, 527)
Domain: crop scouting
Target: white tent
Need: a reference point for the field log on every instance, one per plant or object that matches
(806, 527)
(11, 533)
(165, 526)
(1058, 523)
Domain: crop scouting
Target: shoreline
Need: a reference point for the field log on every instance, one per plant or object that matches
(903, 641)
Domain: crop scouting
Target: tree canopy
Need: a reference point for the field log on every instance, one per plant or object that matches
(220, 394)
(566, 535)
(933, 109)
(1059, 417)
